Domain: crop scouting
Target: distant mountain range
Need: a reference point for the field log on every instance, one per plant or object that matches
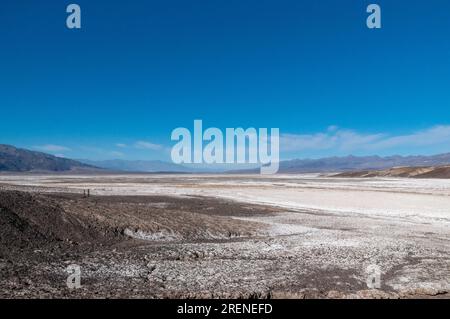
(352, 163)
(355, 163)
(14, 159)
(139, 166)
(322, 165)
(20, 160)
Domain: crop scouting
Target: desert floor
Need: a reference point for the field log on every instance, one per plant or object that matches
(284, 236)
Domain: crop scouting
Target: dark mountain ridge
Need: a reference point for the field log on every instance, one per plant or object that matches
(13, 159)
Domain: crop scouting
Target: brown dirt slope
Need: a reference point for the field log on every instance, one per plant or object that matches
(412, 172)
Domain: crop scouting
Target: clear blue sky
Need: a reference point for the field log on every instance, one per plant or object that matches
(138, 69)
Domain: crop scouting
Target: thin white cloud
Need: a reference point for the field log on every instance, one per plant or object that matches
(350, 140)
(53, 148)
(117, 154)
(100, 153)
(332, 128)
(147, 145)
(121, 145)
(433, 136)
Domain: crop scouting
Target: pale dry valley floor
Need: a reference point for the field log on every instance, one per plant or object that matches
(284, 236)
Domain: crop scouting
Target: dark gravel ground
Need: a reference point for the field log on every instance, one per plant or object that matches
(199, 247)
(41, 234)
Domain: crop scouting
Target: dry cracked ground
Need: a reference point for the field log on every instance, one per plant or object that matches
(152, 236)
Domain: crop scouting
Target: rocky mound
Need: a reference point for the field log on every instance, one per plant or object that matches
(29, 221)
